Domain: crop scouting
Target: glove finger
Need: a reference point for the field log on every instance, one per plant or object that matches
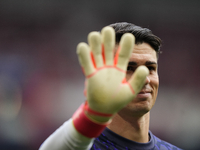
(126, 47)
(138, 79)
(94, 39)
(84, 57)
(108, 40)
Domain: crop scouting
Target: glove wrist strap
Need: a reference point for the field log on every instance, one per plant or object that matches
(86, 126)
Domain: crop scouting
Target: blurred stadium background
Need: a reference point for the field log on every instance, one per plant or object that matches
(41, 83)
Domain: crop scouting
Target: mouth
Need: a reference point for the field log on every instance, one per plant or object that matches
(144, 94)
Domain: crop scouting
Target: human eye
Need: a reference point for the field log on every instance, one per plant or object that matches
(151, 68)
(131, 68)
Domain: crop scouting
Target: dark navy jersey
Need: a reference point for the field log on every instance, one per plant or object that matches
(109, 140)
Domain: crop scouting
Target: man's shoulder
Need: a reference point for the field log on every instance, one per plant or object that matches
(161, 144)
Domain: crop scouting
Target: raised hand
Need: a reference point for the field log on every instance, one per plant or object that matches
(107, 90)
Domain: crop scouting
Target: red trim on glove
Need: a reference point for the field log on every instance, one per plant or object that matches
(103, 54)
(93, 60)
(116, 56)
(132, 90)
(93, 112)
(85, 126)
(92, 74)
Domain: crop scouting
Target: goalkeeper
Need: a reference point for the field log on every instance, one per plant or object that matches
(120, 65)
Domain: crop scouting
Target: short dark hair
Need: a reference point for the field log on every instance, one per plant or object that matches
(141, 34)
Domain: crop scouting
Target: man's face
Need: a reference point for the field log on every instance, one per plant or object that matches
(143, 54)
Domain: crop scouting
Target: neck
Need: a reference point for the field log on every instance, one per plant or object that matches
(135, 128)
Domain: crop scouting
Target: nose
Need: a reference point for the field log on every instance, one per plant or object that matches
(147, 81)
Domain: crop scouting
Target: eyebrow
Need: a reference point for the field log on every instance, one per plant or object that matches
(133, 63)
(151, 63)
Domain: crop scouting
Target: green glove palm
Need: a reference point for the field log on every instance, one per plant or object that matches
(106, 88)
